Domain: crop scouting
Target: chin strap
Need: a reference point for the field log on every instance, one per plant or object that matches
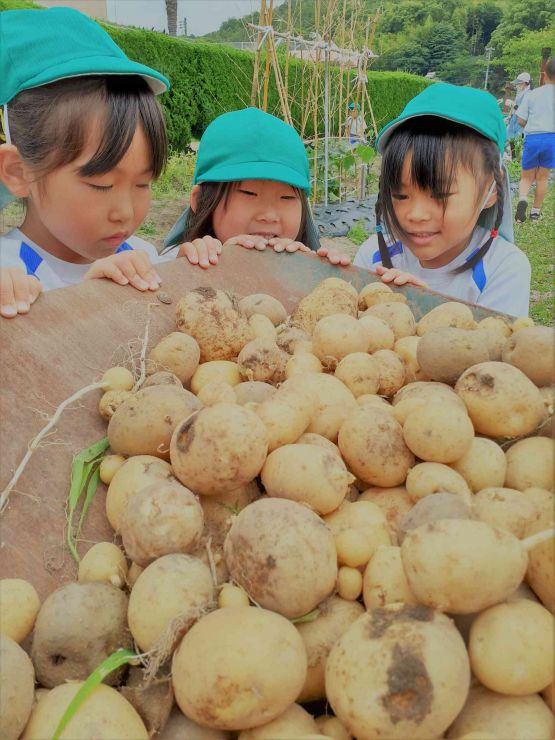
(5, 128)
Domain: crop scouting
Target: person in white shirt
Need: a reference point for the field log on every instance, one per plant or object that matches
(537, 115)
(443, 215)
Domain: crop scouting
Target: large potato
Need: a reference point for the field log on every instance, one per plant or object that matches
(360, 372)
(483, 465)
(319, 636)
(253, 391)
(429, 389)
(262, 303)
(262, 360)
(262, 327)
(19, 606)
(17, 688)
(213, 318)
(430, 509)
(372, 445)
(286, 415)
(443, 562)
(78, 626)
(532, 350)
(176, 353)
(511, 648)
(449, 313)
(438, 433)
(295, 722)
(103, 715)
(160, 519)
(380, 334)
(307, 474)
(384, 579)
(391, 371)
(144, 423)
(501, 401)
(283, 555)
(336, 336)
(398, 672)
(407, 348)
(445, 353)
(429, 478)
(505, 508)
(219, 448)
(541, 567)
(302, 363)
(530, 464)
(331, 296)
(397, 316)
(238, 667)
(170, 587)
(506, 717)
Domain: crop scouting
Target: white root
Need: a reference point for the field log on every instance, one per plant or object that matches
(142, 359)
(536, 539)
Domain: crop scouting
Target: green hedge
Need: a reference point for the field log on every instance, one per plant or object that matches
(210, 79)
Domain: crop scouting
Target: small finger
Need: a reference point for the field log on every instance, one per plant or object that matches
(260, 244)
(137, 282)
(304, 248)
(113, 272)
(21, 293)
(333, 258)
(278, 247)
(293, 246)
(322, 252)
(202, 252)
(35, 288)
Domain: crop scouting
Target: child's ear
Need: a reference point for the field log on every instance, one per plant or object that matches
(492, 199)
(195, 192)
(12, 171)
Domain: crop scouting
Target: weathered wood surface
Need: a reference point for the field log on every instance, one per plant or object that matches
(67, 341)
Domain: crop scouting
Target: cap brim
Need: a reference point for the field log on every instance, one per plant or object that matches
(101, 65)
(256, 171)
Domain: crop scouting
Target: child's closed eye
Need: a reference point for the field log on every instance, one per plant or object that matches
(246, 192)
(102, 188)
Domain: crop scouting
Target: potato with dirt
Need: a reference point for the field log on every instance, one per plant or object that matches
(253, 392)
(152, 701)
(530, 464)
(161, 519)
(144, 423)
(262, 360)
(295, 723)
(111, 401)
(438, 434)
(302, 363)
(17, 688)
(331, 296)
(372, 445)
(445, 353)
(19, 606)
(286, 415)
(532, 350)
(360, 372)
(378, 292)
(431, 508)
(176, 353)
(319, 636)
(448, 314)
(306, 474)
(77, 627)
(400, 671)
(398, 316)
(391, 371)
(213, 318)
(483, 465)
(505, 508)
(262, 303)
(162, 378)
(380, 335)
(384, 580)
(215, 371)
(216, 392)
(173, 587)
(219, 448)
(394, 503)
(336, 336)
(291, 339)
(429, 478)
(501, 401)
(283, 555)
(228, 653)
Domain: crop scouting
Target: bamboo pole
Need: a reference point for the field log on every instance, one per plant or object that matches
(289, 30)
(261, 22)
(269, 13)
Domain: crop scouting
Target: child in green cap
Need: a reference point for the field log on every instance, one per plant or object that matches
(83, 138)
(250, 189)
(443, 215)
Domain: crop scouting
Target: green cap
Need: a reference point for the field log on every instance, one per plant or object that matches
(465, 105)
(252, 145)
(39, 47)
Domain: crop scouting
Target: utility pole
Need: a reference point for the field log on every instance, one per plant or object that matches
(489, 52)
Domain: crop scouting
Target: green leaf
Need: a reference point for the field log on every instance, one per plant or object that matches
(366, 153)
(111, 663)
(349, 160)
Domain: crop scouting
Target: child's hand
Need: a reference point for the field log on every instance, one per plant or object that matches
(203, 252)
(287, 245)
(131, 267)
(248, 241)
(334, 257)
(397, 277)
(17, 291)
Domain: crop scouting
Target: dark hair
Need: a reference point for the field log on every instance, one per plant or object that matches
(50, 124)
(550, 68)
(438, 148)
(199, 222)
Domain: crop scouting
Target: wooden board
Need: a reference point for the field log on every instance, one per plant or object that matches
(67, 341)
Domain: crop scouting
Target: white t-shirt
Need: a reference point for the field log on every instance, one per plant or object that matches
(500, 280)
(538, 110)
(17, 250)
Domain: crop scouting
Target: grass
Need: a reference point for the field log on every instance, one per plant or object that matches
(358, 233)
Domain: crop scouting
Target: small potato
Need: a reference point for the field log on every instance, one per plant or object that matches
(180, 727)
(532, 350)
(505, 508)
(253, 391)
(217, 371)
(483, 465)
(261, 359)
(162, 378)
(265, 305)
(133, 573)
(176, 353)
(353, 548)
(372, 293)
(431, 508)
(450, 313)
(511, 648)
(360, 372)
(438, 434)
(336, 336)
(104, 562)
(19, 606)
(501, 401)
(349, 583)
(331, 727)
(295, 722)
(384, 579)
(442, 560)
(262, 327)
(391, 371)
(307, 474)
(109, 467)
(216, 392)
(406, 348)
(110, 401)
(524, 322)
(394, 503)
(359, 528)
(162, 518)
(372, 445)
(303, 363)
(547, 428)
(429, 478)
(446, 352)
(530, 464)
(286, 415)
(231, 595)
(117, 379)
(17, 685)
(331, 296)
(379, 333)
(397, 316)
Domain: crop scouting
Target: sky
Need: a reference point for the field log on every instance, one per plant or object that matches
(203, 16)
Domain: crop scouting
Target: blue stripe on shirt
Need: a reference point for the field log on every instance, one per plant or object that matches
(394, 249)
(30, 258)
(478, 272)
(125, 247)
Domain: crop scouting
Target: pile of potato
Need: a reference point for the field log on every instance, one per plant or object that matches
(339, 506)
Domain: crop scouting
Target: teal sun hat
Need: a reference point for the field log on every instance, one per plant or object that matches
(249, 144)
(470, 107)
(42, 46)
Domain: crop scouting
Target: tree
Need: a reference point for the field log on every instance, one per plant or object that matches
(171, 13)
(463, 70)
(481, 22)
(520, 17)
(440, 43)
(524, 53)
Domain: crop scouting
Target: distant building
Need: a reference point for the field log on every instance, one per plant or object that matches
(92, 8)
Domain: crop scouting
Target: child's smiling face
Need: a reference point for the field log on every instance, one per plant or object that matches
(258, 207)
(437, 231)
